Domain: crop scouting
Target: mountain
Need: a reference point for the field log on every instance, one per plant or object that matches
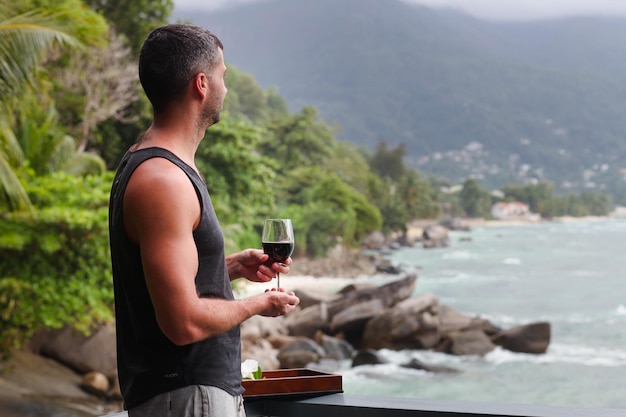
(501, 102)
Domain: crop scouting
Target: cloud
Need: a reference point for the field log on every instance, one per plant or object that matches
(488, 9)
(530, 9)
(210, 5)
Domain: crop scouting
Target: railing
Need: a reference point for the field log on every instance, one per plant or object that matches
(342, 405)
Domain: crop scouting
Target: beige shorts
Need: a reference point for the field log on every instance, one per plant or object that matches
(191, 401)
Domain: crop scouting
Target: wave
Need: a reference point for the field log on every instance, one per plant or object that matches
(458, 254)
(558, 353)
(512, 261)
(563, 353)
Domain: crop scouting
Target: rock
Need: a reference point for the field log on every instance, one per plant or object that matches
(455, 224)
(389, 294)
(356, 316)
(96, 352)
(436, 369)
(350, 288)
(305, 344)
(96, 383)
(467, 342)
(307, 321)
(435, 236)
(374, 241)
(32, 385)
(368, 357)
(300, 353)
(409, 325)
(528, 338)
(297, 359)
(453, 320)
(386, 267)
(309, 298)
(334, 347)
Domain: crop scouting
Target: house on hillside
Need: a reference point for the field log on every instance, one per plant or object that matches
(513, 210)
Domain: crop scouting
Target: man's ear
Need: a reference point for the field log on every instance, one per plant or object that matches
(201, 84)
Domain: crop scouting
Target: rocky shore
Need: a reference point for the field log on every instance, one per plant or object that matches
(65, 374)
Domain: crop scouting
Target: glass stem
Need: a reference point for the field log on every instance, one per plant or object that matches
(278, 280)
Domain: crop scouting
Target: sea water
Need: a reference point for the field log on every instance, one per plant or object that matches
(571, 274)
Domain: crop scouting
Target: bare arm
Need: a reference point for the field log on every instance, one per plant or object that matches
(161, 210)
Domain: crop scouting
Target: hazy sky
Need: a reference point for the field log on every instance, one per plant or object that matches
(491, 9)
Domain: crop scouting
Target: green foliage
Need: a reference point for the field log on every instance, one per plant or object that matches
(248, 101)
(135, 19)
(56, 265)
(28, 131)
(388, 163)
(399, 192)
(326, 211)
(299, 140)
(475, 200)
(240, 181)
(541, 199)
(549, 93)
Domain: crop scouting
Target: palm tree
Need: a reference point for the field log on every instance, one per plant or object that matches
(24, 39)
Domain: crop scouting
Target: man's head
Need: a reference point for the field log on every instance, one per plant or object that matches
(172, 56)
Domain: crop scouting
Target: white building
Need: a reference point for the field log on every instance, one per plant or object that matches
(513, 210)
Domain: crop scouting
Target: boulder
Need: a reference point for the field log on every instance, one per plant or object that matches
(307, 321)
(80, 352)
(528, 338)
(368, 357)
(309, 298)
(389, 294)
(300, 354)
(334, 347)
(374, 241)
(96, 383)
(436, 369)
(467, 342)
(409, 325)
(356, 316)
(435, 236)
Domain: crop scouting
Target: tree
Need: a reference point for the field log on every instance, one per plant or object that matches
(299, 140)
(134, 19)
(24, 39)
(104, 83)
(240, 182)
(388, 163)
(475, 200)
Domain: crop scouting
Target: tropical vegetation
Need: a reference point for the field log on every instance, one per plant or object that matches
(70, 106)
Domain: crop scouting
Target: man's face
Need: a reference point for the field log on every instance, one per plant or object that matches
(217, 93)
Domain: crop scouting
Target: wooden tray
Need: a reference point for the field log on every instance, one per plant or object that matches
(292, 382)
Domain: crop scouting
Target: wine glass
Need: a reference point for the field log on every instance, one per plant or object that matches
(277, 241)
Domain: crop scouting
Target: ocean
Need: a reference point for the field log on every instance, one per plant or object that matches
(571, 274)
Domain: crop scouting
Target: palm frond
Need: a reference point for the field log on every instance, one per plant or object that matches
(23, 41)
(85, 163)
(13, 197)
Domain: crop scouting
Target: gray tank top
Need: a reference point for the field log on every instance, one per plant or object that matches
(148, 362)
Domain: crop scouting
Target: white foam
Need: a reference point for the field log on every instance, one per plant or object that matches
(458, 254)
(562, 353)
(512, 261)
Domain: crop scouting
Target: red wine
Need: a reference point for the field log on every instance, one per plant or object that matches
(278, 252)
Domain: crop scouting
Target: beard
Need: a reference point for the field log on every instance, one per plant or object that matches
(210, 115)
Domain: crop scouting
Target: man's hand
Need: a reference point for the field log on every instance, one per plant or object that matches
(281, 302)
(251, 264)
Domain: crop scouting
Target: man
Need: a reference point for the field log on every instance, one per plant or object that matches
(178, 342)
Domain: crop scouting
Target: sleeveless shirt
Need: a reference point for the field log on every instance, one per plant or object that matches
(148, 362)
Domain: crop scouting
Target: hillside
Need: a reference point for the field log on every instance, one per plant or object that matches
(537, 100)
